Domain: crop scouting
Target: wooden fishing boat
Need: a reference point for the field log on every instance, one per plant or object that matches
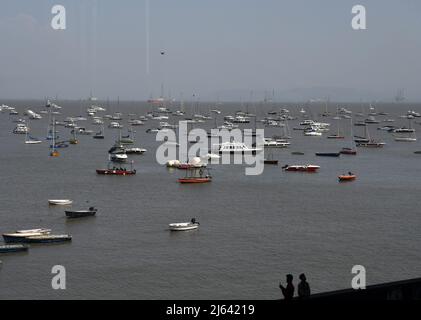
(195, 180)
(117, 171)
(196, 175)
(347, 177)
(81, 213)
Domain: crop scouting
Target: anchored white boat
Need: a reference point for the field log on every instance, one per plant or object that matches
(275, 143)
(184, 226)
(236, 147)
(21, 235)
(135, 150)
(21, 128)
(60, 202)
(312, 133)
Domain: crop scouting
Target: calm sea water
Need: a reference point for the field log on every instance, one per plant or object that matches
(254, 229)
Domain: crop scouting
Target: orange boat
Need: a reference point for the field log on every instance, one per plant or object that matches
(347, 177)
(195, 180)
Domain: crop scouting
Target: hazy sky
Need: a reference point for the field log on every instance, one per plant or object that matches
(211, 46)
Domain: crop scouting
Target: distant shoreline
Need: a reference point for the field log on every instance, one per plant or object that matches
(405, 103)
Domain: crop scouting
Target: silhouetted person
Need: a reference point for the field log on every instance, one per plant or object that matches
(288, 291)
(303, 287)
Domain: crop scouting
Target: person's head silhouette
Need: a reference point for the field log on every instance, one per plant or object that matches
(303, 277)
(289, 278)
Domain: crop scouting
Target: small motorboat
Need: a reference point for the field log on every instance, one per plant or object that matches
(81, 213)
(60, 202)
(348, 151)
(335, 136)
(301, 168)
(405, 139)
(270, 161)
(297, 153)
(236, 147)
(98, 135)
(312, 133)
(73, 141)
(371, 144)
(328, 154)
(116, 172)
(8, 248)
(121, 158)
(184, 226)
(347, 177)
(48, 238)
(135, 150)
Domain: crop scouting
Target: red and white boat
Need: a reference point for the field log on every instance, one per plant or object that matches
(301, 168)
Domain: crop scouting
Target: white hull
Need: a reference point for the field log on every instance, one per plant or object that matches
(185, 226)
(312, 134)
(41, 231)
(60, 202)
